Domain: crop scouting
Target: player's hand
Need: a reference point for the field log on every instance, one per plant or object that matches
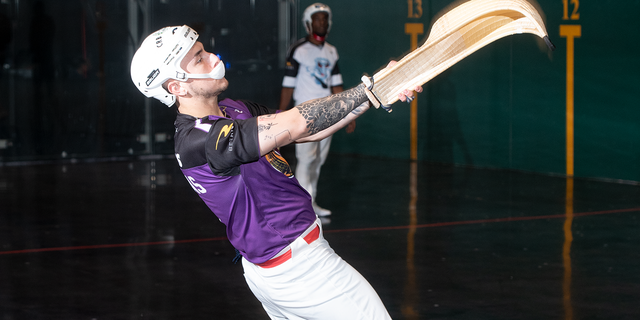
(407, 95)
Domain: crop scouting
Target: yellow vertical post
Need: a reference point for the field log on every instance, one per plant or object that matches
(570, 32)
(411, 291)
(414, 29)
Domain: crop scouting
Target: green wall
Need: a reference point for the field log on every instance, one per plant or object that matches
(505, 105)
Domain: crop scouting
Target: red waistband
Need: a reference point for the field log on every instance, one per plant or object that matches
(309, 238)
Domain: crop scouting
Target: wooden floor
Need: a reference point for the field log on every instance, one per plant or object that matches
(131, 240)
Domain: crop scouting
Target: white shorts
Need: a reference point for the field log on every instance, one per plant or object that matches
(315, 283)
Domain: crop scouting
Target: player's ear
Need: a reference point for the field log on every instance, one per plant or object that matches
(175, 87)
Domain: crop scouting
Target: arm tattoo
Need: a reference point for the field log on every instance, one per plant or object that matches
(262, 127)
(360, 109)
(287, 138)
(325, 112)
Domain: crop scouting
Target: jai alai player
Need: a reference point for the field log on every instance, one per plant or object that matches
(228, 151)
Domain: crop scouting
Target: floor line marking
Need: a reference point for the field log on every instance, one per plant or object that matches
(468, 222)
(426, 225)
(117, 245)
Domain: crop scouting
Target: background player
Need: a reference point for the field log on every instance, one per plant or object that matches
(312, 72)
(228, 151)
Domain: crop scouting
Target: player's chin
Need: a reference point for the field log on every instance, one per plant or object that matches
(224, 84)
(219, 84)
(214, 88)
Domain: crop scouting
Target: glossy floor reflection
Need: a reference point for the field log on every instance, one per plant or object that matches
(131, 240)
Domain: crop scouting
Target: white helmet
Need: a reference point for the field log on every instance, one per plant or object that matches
(158, 60)
(310, 10)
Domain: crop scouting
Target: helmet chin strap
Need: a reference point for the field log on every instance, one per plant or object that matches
(318, 38)
(217, 73)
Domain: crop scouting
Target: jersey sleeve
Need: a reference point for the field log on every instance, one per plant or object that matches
(257, 109)
(291, 67)
(231, 143)
(290, 73)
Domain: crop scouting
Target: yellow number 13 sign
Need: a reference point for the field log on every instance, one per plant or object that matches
(415, 9)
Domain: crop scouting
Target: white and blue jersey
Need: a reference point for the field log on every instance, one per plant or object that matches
(312, 70)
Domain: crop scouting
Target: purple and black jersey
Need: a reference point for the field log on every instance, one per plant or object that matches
(257, 198)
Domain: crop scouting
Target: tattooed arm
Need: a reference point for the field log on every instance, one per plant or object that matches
(350, 118)
(315, 119)
(309, 118)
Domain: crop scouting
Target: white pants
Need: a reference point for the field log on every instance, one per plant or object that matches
(310, 156)
(314, 284)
